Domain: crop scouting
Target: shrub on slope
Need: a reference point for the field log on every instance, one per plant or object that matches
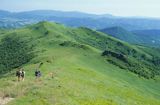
(14, 52)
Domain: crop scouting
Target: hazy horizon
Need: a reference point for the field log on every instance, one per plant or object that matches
(127, 8)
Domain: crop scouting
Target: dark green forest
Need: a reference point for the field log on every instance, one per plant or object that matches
(14, 52)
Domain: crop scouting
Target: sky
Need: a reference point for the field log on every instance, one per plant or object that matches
(148, 8)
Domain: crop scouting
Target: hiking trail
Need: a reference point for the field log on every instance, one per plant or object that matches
(4, 101)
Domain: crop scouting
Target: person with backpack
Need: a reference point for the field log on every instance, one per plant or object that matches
(18, 74)
(38, 74)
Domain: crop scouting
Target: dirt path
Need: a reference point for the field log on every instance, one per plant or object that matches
(4, 101)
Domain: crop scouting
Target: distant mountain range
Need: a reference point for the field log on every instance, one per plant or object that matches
(76, 19)
(145, 31)
(144, 37)
(50, 13)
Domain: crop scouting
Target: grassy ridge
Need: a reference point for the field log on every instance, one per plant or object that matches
(78, 80)
(81, 75)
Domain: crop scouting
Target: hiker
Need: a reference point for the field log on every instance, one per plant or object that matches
(23, 74)
(37, 74)
(18, 74)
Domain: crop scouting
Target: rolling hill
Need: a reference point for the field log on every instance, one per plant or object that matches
(89, 67)
(141, 37)
(122, 34)
(150, 37)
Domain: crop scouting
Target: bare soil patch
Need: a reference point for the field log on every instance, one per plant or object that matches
(4, 101)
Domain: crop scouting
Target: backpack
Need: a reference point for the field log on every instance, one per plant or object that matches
(22, 74)
(36, 73)
(39, 73)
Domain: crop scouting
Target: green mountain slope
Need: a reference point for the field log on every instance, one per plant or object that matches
(141, 37)
(89, 67)
(149, 37)
(122, 34)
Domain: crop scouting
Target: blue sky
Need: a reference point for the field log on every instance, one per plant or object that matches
(149, 8)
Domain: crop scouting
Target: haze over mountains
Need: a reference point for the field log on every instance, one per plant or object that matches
(76, 19)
